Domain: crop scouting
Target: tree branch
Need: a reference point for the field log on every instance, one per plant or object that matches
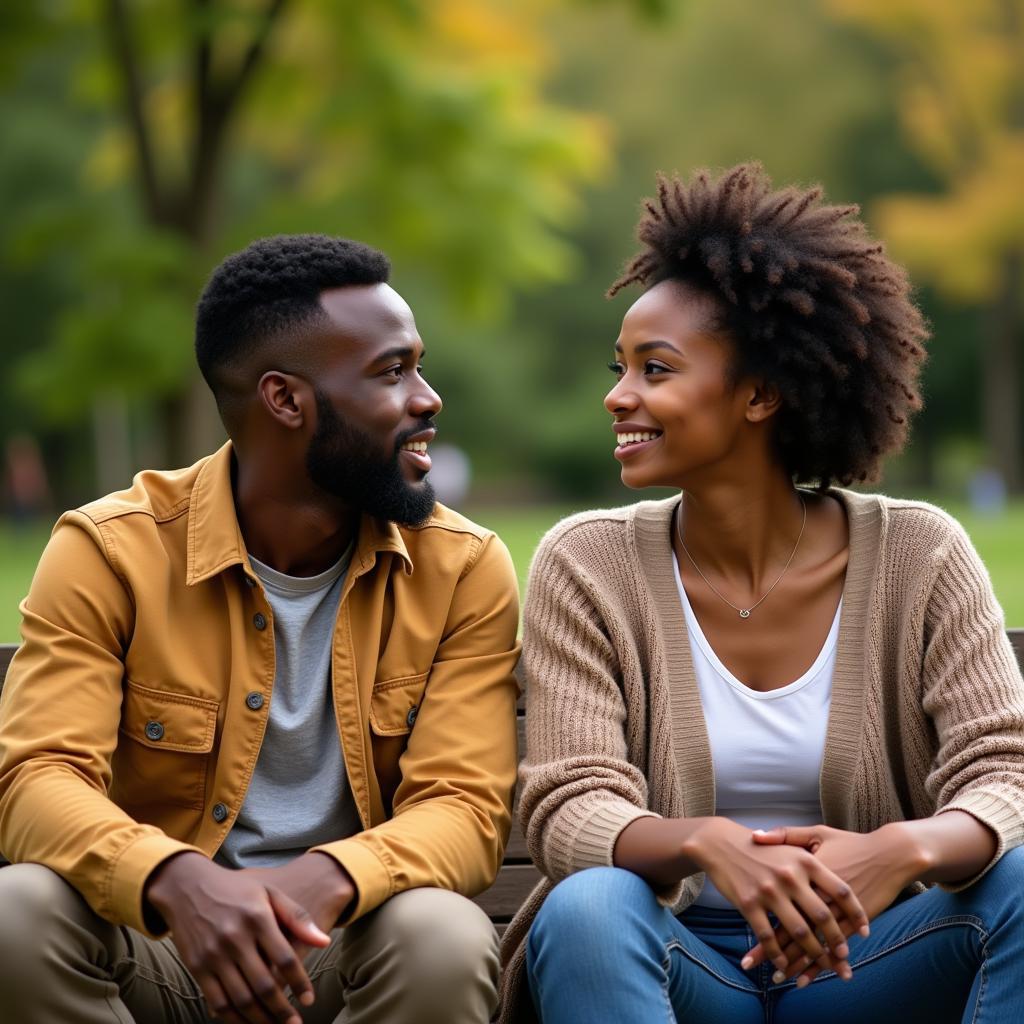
(125, 60)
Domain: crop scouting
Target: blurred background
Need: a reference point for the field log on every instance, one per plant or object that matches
(498, 151)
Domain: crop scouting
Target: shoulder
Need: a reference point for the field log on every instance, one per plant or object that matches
(908, 525)
(448, 540)
(598, 533)
(156, 495)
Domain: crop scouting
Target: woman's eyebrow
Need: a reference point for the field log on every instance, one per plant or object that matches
(648, 346)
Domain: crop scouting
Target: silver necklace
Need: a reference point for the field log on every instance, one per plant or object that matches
(744, 612)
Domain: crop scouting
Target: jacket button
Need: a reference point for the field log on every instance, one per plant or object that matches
(154, 730)
(411, 716)
(259, 620)
(254, 701)
(219, 812)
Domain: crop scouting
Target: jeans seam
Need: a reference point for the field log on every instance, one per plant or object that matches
(904, 940)
(984, 978)
(693, 958)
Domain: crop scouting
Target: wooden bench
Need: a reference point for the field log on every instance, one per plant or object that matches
(517, 876)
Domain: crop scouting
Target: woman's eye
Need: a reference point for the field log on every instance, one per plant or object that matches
(617, 368)
(655, 368)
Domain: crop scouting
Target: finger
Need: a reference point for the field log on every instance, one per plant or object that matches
(835, 891)
(217, 1001)
(799, 929)
(243, 999)
(766, 938)
(286, 965)
(788, 835)
(793, 953)
(296, 919)
(268, 996)
(825, 925)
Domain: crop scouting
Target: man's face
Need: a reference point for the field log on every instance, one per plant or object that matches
(374, 408)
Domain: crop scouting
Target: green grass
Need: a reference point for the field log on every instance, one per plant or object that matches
(1000, 542)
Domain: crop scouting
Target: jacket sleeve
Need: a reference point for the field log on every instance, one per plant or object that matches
(59, 719)
(974, 694)
(579, 790)
(452, 808)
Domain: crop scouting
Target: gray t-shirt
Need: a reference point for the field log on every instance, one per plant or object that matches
(299, 795)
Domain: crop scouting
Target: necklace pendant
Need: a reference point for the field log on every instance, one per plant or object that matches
(744, 613)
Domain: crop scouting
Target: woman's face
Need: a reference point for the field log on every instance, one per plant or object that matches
(674, 390)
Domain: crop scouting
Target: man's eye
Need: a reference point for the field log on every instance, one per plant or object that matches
(617, 368)
(394, 371)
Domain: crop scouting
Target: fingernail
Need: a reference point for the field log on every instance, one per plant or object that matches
(306, 999)
(760, 832)
(747, 962)
(864, 931)
(781, 962)
(803, 981)
(842, 951)
(778, 978)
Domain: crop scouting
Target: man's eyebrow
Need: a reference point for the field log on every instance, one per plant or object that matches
(649, 346)
(398, 352)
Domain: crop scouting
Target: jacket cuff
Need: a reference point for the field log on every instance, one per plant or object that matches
(129, 875)
(367, 871)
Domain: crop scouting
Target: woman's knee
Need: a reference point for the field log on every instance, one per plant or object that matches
(596, 896)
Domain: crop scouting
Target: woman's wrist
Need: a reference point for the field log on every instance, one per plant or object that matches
(901, 846)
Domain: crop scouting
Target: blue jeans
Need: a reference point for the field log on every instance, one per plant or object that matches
(603, 949)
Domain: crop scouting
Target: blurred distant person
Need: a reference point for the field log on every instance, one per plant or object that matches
(265, 706)
(768, 711)
(987, 491)
(450, 473)
(28, 490)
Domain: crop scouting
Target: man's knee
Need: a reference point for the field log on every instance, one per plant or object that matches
(433, 946)
(433, 928)
(36, 904)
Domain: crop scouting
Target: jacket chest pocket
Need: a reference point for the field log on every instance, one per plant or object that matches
(394, 708)
(163, 751)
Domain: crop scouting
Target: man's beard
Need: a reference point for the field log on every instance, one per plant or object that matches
(345, 461)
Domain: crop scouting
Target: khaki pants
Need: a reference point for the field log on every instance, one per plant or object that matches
(427, 956)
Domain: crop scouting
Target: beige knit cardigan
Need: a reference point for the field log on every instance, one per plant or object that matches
(927, 710)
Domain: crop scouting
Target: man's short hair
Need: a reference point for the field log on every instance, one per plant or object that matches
(268, 290)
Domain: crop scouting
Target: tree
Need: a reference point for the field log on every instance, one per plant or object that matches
(960, 82)
(417, 125)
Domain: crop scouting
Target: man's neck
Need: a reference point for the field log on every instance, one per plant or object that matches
(299, 531)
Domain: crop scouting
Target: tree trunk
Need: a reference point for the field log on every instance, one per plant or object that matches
(1001, 377)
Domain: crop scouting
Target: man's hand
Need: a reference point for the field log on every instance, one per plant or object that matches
(877, 866)
(236, 934)
(314, 881)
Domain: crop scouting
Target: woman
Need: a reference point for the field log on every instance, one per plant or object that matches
(767, 710)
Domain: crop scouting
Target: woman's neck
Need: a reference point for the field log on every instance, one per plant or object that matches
(741, 529)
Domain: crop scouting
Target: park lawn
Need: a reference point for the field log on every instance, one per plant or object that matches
(1000, 542)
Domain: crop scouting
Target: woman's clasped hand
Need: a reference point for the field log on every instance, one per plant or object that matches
(815, 908)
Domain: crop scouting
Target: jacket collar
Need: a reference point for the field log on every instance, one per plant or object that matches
(215, 539)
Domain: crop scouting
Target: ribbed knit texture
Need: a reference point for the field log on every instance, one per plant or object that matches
(927, 709)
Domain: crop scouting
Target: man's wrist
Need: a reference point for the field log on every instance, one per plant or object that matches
(342, 887)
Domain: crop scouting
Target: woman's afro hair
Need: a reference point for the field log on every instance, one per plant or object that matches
(812, 304)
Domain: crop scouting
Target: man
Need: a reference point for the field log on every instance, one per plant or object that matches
(265, 705)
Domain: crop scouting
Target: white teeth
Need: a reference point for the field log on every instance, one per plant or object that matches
(625, 439)
(415, 446)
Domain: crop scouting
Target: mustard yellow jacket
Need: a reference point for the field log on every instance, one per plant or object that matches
(130, 721)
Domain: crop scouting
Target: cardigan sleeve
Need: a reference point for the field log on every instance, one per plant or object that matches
(579, 790)
(974, 694)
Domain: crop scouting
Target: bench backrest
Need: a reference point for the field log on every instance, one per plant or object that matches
(517, 876)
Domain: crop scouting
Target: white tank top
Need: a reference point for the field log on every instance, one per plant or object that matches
(766, 748)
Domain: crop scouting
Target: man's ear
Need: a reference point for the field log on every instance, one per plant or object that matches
(286, 397)
(764, 402)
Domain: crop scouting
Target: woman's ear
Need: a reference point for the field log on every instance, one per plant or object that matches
(285, 396)
(764, 402)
